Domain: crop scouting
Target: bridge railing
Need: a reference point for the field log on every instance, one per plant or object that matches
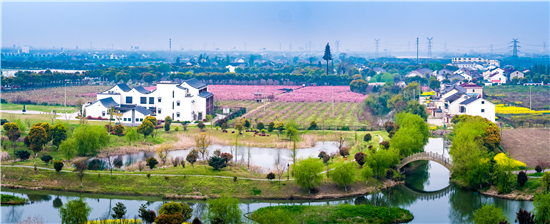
(428, 156)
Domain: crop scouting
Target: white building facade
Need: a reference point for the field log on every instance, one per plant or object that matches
(188, 101)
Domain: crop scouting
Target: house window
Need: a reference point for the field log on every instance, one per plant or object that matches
(178, 114)
(143, 100)
(160, 99)
(172, 93)
(141, 119)
(482, 102)
(482, 110)
(137, 119)
(152, 100)
(178, 103)
(473, 90)
(172, 105)
(159, 110)
(128, 99)
(103, 113)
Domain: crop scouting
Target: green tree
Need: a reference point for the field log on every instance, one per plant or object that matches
(170, 208)
(344, 173)
(434, 83)
(58, 166)
(366, 172)
(38, 138)
(68, 148)
(90, 139)
(119, 130)
(414, 107)
(327, 56)
(367, 137)
(59, 134)
(224, 210)
(46, 159)
(167, 123)
(306, 173)
(412, 135)
(131, 135)
(358, 86)
(152, 119)
(152, 162)
(489, 214)
(75, 212)
(546, 181)
(145, 128)
(80, 168)
(216, 162)
(542, 207)
(11, 129)
(119, 210)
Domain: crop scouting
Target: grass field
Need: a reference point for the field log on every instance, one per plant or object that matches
(519, 95)
(342, 213)
(12, 200)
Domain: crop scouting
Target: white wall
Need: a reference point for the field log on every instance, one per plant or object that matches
(474, 109)
(95, 110)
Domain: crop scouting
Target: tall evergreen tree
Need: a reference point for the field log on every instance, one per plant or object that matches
(327, 56)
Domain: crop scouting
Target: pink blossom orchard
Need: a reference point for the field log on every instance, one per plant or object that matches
(321, 94)
(244, 92)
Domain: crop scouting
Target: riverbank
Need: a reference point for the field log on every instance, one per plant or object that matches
(171, 186)
(525, 193)
(12, 200)
(343, 213)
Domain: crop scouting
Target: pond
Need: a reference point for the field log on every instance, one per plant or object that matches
(263, 157)
(427, 194)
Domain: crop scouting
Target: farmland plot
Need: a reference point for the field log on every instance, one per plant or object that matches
(55, 95)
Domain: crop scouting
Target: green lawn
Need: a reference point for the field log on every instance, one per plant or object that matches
(12, 200)
(343, 213)
(19, 107)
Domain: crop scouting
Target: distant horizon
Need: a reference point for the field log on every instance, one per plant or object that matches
(459, 27)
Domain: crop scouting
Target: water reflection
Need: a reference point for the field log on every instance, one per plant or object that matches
(427, 194)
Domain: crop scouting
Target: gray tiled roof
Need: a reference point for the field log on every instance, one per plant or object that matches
(108, 102)
(141, 89)
(143, 110)
(468, 101)
(206, 94)
(195, 83)
(124, 87)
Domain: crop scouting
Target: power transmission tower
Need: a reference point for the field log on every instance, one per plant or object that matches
(417, 50)
(430, 47)
(515, 46)
(376, 50)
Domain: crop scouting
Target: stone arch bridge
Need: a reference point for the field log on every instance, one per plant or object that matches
(431, 156)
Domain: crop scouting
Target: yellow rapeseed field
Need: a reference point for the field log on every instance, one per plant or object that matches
(503, 109)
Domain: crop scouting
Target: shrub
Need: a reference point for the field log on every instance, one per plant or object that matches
(58, 165)
(226, 157)
(321, 154)
(344, 151)
(119, 210)
(148, 216)
(216, 162)
(345, 128)
(234, 179)
(152, 162)
(538, 169)
(166, 177)
(389, 173)
(367, 137)
(312, 125)
(360, 158)
(196, 220)
(260, 126)
(148, 175)
(177, 128)
(170, 219)
(201, 125)
(270, 176)
(386, 144)
(23, 154)
(46, 158)
(522, 178)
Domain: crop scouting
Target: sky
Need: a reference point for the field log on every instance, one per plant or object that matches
(456, 26)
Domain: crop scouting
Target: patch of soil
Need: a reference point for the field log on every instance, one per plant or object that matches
(514, 195)
(527, 145)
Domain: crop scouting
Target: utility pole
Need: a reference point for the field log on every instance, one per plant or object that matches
(515, 46)
(376, 51)
(417, 50)
(65, 81)
(430, 47)
(529, 97)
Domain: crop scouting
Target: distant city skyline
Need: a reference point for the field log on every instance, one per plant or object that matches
(253, 26)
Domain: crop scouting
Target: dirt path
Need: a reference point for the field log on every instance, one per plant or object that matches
(527, 145)
(253, 111)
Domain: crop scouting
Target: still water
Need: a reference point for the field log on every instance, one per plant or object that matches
(263, 157)
(427, 194)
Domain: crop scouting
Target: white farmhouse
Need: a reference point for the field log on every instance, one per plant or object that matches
(478, 107)
(188, 101)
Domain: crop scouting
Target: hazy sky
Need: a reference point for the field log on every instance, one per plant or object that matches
(191, 25)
